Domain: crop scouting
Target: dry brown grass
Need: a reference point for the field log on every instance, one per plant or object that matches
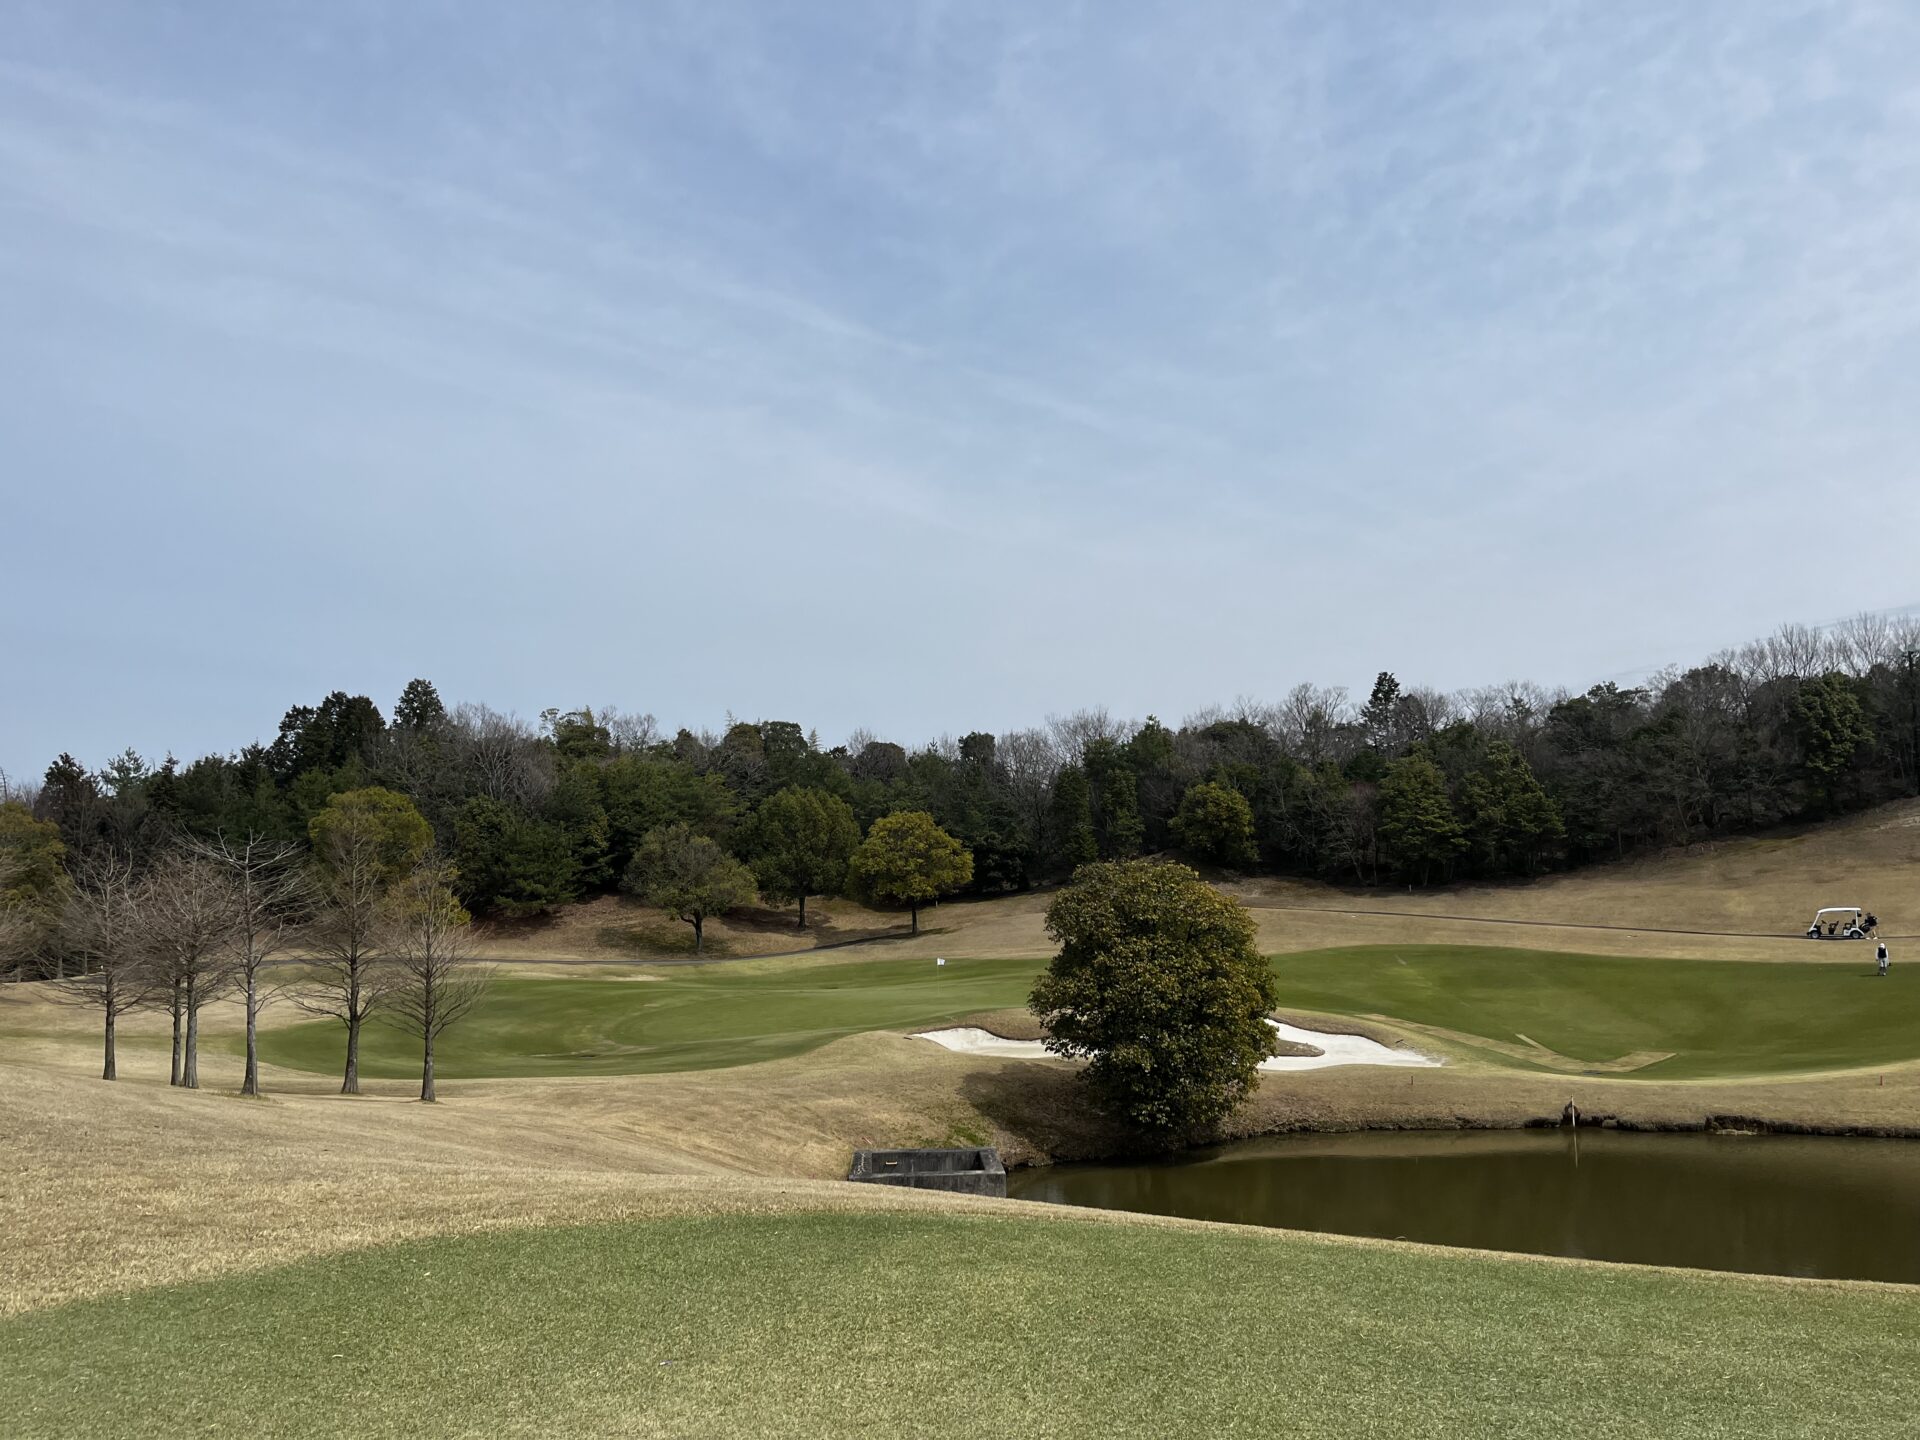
(614, 927)
(1768, 887)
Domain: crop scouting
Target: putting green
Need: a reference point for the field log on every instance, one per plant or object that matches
(813, 1324)
(1716, 1017)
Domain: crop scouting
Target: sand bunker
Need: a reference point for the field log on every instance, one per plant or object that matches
(1334, 1049)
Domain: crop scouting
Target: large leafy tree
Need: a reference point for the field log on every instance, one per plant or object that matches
(1159, 986)
(682, 872)
(1831, 726)
(1215, 823)
(909, 860)
(1509, 822)
(1417, 824)
(1070, 820)
(802, 839)
(511, 863)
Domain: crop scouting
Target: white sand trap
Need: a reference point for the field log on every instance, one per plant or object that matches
(1335, 1049)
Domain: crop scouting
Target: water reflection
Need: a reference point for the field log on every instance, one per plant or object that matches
(1787, 1205)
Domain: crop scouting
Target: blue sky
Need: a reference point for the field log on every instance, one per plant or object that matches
(932, 366)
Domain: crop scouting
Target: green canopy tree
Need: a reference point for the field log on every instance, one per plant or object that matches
(1509, 821)
(1070, 820)
(1417, 824)
(689, 876)
(908, 860)
(802, 840)
(33, 882)
(1159, 985)
(1831, 726)
(511, 863)
(1215, 823)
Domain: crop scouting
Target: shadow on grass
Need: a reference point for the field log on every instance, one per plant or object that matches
(1046, 1108)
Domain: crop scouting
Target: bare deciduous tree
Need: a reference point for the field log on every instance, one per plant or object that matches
(189, 908)
(101, 925)
(352, 977)
(435, 980)
(269, 893)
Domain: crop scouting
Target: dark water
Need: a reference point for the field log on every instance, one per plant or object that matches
(1774, 1204)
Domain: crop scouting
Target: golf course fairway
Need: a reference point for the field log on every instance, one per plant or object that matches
(1713, 1017)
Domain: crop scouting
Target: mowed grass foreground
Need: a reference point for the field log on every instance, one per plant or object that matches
(837, 1324)
(701, 1018)
(1717, 1017)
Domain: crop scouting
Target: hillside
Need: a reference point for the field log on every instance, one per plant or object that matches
(1743, 898)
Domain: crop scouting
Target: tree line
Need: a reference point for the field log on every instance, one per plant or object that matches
(1408, 786)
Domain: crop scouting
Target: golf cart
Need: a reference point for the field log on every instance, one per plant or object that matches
(1839, 922)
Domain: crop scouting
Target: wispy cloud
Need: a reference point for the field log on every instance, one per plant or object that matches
(1192, 349)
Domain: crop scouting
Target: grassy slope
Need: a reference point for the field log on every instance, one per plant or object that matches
(1718, 1017)
(695, 1019)
(834, 1324)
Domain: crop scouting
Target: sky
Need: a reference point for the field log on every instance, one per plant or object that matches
(929, 367)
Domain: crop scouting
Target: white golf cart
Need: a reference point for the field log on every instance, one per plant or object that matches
(1839, 922)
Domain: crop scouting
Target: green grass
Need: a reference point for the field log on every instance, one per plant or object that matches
(695, 1019)
(1718, 1017)
(824, 1325)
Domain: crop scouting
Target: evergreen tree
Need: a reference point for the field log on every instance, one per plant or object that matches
(802, 839)
(418, 710)
(1215, 824)
(1417, 825)
(1070, 820)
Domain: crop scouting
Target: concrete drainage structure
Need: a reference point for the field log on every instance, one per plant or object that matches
(966, 1172)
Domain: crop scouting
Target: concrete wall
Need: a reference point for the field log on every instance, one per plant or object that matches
(966, 1172)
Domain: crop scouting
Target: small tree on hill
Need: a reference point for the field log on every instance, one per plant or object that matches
(1158, 985)
(436, 982)
(688, 876)
(1216, 823)
(803, 839)
(908, 860)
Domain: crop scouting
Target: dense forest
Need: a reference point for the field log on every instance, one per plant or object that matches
(1408, 786)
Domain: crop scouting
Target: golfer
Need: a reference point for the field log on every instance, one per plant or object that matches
(1881, 957)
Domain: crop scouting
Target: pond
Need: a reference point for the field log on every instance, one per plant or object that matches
(1771, 1204)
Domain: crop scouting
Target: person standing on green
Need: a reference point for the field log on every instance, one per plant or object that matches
(1882, 957)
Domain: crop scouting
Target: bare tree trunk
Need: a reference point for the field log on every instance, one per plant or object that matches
(426, 1071)
(697, 937)
(250, 1084)
(176, 1034)
(109, 1071)
(913, 908)
(190, 1063)
(351, 1084)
